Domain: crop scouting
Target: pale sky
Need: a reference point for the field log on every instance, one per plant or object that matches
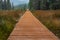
(17, 2)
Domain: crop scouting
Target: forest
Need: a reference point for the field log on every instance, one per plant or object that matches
(33, 5)
(45, 4)
(5, 5)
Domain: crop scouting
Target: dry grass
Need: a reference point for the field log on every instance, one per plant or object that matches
(50, 18)
(43, 13)
(8, 19)
(12, 13)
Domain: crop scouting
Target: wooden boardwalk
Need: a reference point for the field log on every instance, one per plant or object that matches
(30, 28)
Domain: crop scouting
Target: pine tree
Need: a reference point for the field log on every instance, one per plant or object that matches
(4, 5)
(30, 3)
(0, 4)
(12, 6)
(8, 5)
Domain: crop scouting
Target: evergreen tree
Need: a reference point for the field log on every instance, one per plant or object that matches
(30, 3)
(38, 7)
(45, 4)
(12, 6)
(0, 4)
(4, 5)
(8, 5)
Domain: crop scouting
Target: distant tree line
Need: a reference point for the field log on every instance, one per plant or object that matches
(5, 5)
(44, 4)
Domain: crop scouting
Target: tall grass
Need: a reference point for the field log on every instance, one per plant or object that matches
(50, 18)
(7, 22)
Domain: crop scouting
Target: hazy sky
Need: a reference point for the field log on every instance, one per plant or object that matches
(17, 2)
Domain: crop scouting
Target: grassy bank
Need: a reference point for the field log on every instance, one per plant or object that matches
(51, 19)
(8, 19)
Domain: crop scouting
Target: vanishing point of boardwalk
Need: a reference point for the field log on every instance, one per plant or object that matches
(30, 28)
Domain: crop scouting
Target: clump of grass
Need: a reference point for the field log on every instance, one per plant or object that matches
(6, 26)
(7, 22)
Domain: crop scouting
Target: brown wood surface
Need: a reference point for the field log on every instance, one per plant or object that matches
(30, 28)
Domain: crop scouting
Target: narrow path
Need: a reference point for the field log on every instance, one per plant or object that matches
(30, 28)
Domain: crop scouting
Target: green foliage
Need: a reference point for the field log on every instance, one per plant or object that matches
(6, 26)
(0, 4)
(45, 4)
(8, 21)
(6, 5)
